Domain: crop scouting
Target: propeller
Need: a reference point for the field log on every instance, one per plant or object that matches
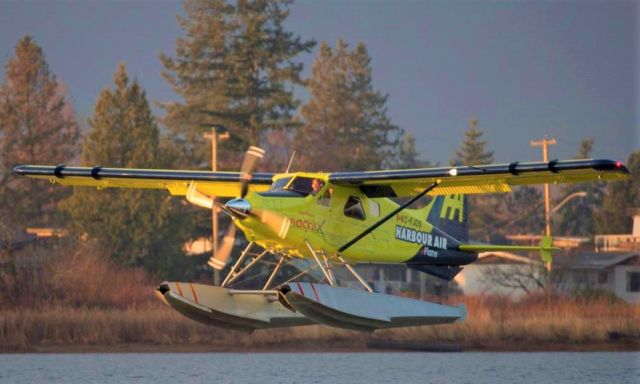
(239, 208)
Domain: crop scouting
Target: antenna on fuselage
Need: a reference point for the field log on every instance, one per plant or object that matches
(290, 161)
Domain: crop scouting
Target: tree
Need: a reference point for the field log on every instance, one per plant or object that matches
(37, 126)
(472, 151)
(136, 227)
(577, 218)
(620, 198)
(483, 215)
(346, 123)
(524, 210)
(236, 67)
(408, 156)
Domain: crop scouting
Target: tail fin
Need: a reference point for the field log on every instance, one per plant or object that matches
(449, 213)
(439, 255)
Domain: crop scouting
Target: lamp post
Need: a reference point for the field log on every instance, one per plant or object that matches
(566, 200)
(218, 132)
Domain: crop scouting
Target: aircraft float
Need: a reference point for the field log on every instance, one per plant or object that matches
(333, 221)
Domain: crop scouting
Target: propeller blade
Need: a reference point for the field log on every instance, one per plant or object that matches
(198, 198)
(221, 257)
(251, 158)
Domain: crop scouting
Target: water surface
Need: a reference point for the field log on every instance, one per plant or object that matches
(325, 368)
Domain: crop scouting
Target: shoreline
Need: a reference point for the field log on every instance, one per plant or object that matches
(377, 347)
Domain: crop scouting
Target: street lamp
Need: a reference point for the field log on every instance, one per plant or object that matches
(221, 133)
(566, 200)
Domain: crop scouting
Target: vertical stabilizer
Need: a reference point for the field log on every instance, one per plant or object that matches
(450, 213)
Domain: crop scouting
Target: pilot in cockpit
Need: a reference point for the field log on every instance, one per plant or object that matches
(316, 186)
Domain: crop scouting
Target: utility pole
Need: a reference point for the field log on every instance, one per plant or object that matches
(544, 143)
(218, 132)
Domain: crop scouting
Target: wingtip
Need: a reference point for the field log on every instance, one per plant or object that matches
(18, 169)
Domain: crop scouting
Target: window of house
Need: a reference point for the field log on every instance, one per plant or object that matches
(602, 277)
(353, 208)
(633, 281)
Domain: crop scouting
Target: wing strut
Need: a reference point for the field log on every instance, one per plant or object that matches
(387, 217)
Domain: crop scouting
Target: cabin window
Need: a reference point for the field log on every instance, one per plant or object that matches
(306, 185)
(325, 199)
(374, 208)
(353, 208)
(633, 281)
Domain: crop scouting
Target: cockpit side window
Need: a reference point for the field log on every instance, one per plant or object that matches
(306, 185)
(325, 199)
(353, 208)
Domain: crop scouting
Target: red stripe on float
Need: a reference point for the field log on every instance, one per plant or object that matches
(315, 293)
(300, 288)
(179, 289)
(193, 292)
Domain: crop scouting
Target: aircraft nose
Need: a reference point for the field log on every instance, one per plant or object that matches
(239, 207)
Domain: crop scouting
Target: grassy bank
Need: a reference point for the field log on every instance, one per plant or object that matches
(545, 322)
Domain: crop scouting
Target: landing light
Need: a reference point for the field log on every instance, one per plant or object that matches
(453, 172)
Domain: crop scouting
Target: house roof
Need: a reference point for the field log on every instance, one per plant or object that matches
(568, 259)
(594, 260)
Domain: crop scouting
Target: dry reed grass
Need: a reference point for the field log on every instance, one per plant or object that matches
(493, 322)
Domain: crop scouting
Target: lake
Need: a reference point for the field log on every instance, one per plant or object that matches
(329, 368)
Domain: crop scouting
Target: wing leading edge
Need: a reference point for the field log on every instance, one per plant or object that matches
(222, 184)
(479, 179)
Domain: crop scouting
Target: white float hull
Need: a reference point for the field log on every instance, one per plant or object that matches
(228, 308)
(303, 304)
(364, 311)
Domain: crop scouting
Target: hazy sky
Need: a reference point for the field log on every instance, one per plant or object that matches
(568, 69)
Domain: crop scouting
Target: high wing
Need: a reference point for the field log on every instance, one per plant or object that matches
(221, 184)
(479, 179)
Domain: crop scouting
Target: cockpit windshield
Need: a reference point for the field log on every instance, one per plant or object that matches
(279, 184)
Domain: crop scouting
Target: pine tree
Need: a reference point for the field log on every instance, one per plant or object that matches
(136, 227)
(37, 126)
(484, 220)
(346, 123)
(577, 217)
(472, 151)
(524, 212)
(235, 66)
(408, 155)
(621, 197)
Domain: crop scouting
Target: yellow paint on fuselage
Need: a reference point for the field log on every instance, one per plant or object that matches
(326, 227)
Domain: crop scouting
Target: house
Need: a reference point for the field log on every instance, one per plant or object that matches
(617, 272)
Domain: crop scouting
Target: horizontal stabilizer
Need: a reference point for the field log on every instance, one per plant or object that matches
(545, 248)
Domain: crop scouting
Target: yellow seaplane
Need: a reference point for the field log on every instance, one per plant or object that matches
(332, 221)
